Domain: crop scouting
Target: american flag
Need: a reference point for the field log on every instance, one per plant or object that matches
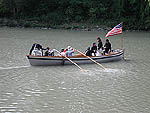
(115, 31)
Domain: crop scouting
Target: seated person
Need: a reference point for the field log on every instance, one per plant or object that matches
(94, 49)
(49, 52)
(36, 52)
(88, 52)
(62, 53)
(65, 50)
(69, 51)
(38, 46)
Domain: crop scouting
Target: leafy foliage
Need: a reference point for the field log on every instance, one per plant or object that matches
(135, 13)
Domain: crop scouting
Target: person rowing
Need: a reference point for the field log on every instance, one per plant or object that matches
(94, 49)
(62, 53)
(49, 52)
(71, 61)
(88, 52)
(69, 51)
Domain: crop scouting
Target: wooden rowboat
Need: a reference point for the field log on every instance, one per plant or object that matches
(79, 59)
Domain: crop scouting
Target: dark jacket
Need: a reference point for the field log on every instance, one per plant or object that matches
(100, 45)
(94, 49)
(88, 53)
(47, 53)
(39, 46)
(107, 47)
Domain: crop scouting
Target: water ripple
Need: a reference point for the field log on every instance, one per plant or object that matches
(15, 67)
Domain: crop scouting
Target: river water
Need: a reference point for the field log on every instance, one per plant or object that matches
(124, 87)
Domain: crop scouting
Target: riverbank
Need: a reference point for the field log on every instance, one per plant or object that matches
(86, 26)
(67, 26)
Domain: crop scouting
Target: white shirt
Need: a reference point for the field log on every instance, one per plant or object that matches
(36, 52)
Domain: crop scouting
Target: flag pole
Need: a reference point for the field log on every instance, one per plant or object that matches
(122, 37)
(122, 41)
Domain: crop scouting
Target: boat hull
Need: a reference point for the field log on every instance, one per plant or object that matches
(58, 60)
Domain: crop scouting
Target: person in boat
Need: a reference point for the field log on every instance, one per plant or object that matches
(62, 53)
(94, 49)
(37, 47)
(107, 46)
(100, 44)
(40, 48)
(36, 52)
(65, 50)
(49, 52)
(88, 52)
(69, 51)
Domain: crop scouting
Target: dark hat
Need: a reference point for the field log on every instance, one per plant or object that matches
(98, 38)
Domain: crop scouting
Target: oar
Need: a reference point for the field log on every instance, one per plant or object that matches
(90, 58)
(72, 62)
